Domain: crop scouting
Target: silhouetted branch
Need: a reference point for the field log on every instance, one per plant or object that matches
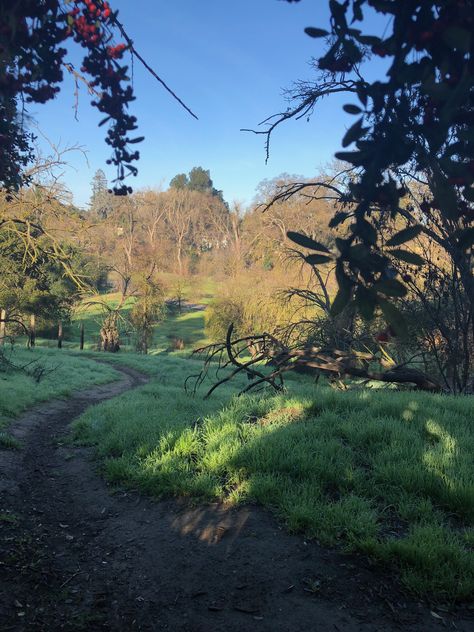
(274, 354)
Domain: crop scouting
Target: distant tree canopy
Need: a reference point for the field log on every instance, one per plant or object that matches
(198, 179)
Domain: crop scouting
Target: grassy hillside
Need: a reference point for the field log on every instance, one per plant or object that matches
(384, 473)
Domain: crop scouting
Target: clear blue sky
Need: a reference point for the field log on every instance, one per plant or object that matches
(229, 61)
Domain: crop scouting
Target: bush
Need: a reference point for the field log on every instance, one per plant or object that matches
(220, 314)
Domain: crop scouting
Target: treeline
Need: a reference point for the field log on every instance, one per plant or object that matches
(190, 229)
(52, 254)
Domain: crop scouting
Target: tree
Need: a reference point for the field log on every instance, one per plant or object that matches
(100, 198)
(415, 125)
(180, 215)
(146, 313)
(198, 179)
(33, 288)
(32, 34)
(180, 181)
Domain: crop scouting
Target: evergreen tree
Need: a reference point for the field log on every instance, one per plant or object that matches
(100, 198)
(198, 179)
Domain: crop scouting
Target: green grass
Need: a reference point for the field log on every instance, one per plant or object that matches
(387, 474)
(189, 326)
(19, 391)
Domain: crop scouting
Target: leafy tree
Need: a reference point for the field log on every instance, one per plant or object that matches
(416, 124)
(198, 179)
(180, 181)
(146, 313)
(38, 287)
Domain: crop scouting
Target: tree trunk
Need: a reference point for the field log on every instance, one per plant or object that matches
(81, 344)
(60, 334)
(110, 336)
(3, 326)
(32, 333)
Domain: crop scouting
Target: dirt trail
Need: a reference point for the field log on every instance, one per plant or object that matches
(82, 558)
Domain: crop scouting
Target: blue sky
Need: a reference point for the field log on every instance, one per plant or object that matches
(229, 61)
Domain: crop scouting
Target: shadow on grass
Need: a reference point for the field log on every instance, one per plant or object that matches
(384, 473)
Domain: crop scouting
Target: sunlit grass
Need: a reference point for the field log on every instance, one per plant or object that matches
(188, 326)
(385, 473)
(64, 373)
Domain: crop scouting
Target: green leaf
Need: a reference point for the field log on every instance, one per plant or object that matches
(356, 158)
(466, 237)
(369, 40)
(468, 193)
(358, 15)
(365, 230)
(338, 12)
(404, 235)
(362, 94)
(457, 38)
(408, 257)
(365, 302)
(394, 317)
(139, 139)
(317, 259)
(352, 109)
(307, 242)
(390, 287)
(314, 32)
(354, 133)
(344, 292)
(340, 301)
(338, 218)
(358, 253)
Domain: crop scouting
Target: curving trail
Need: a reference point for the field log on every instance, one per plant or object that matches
(79, 557)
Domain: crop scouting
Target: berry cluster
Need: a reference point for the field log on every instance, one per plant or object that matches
(31, 33)
(90, 25)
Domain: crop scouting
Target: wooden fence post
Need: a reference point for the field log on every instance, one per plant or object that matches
(32, 335)
(60, 334)
(3, 326)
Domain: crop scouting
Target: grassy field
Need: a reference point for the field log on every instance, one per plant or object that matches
(189, 325)
(382, 473)
(387, 474)
(64, 373)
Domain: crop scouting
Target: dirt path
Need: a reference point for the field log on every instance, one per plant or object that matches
(82, 558)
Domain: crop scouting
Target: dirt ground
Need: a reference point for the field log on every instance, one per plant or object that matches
(79, 557)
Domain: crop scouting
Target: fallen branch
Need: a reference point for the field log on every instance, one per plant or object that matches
(281, 359)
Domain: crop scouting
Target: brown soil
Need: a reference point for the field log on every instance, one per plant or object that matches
(82, 558)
